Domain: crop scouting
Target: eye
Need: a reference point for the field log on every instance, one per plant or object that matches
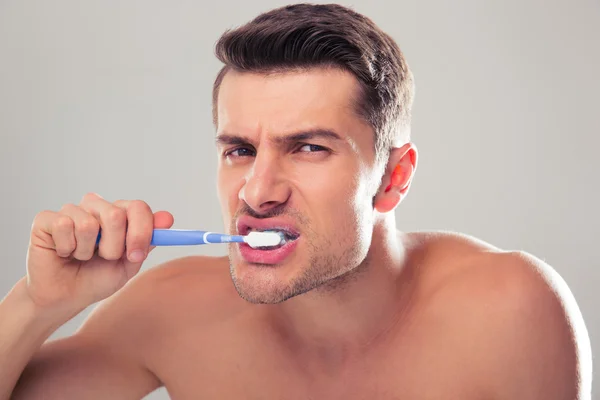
(311, 148)
(240, 152)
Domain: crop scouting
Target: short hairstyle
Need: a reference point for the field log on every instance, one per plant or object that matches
(303, 36)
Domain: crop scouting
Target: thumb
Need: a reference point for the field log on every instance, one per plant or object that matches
(162, 220)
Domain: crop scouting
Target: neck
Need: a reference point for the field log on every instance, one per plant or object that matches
(351, 314)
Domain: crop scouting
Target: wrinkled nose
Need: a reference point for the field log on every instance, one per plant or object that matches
(266, 187)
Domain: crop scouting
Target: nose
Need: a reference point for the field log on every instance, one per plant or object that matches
(266, 187)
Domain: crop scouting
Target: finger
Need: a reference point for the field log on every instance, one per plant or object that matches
(52, 230)
(63, 235)
(140, 225)
(86, 228)
(162, 220)
(113, 223)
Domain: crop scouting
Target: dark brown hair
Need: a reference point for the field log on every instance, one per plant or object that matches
(303, 36)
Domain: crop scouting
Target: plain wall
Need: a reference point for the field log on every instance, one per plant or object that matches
(114, 97)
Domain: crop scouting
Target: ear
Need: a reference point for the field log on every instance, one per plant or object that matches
(397, 178)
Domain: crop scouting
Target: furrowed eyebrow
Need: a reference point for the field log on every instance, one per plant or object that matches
(229, 139)
(308, 135)
(226, 139)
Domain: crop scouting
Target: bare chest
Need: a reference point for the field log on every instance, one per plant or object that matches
(241, 369)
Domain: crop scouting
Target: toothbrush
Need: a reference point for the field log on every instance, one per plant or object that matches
(189, 237)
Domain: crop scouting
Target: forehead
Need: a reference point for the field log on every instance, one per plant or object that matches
(288, 101)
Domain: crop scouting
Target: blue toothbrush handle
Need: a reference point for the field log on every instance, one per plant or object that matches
(187, 237)
(184, 237)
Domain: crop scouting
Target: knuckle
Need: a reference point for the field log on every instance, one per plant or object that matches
(41, 216)
(68, 207)
(89, 196)
(87, 227)
(116, 217)
(63, 223)
(140, 205)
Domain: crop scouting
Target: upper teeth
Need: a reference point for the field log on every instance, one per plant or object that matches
(285, 233)
(266, 230)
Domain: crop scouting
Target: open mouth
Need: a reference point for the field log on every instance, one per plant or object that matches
(268, 255)
(271, 255)
(286, 237)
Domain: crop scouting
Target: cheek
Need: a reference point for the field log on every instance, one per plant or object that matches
(359, 210)
(339, 198)
(331, 185)
(228, 194)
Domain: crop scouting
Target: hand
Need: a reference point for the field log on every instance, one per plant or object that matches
(65, 267)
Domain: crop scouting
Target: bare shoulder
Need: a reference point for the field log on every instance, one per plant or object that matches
(182, 296)
(517, 318)
(158, 295)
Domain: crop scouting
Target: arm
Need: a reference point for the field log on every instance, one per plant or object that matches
(100, 361)
(68, 270)
(24, 329)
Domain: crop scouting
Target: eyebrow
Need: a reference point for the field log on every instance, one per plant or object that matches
(231, 139)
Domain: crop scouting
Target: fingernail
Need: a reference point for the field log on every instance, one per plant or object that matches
(137, 256)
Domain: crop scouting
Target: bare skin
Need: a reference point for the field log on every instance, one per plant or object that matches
(375, 313)
(473, 325)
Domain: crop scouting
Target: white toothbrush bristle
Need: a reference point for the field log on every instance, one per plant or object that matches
(263, 239)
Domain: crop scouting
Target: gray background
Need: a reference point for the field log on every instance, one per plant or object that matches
(114, 97)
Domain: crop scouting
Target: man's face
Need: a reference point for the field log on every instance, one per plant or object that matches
(294, 156)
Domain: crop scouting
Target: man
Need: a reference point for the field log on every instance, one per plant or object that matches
(312, 112)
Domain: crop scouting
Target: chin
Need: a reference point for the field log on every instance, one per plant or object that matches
(266, 283)
(296, 274)
(259, 284)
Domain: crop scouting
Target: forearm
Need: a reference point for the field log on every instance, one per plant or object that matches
(23, 329)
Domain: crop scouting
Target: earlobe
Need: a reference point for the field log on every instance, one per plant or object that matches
(387, 201)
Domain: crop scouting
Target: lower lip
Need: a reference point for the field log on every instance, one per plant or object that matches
(277, 256)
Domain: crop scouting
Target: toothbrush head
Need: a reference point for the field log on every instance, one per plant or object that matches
(264, 239)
